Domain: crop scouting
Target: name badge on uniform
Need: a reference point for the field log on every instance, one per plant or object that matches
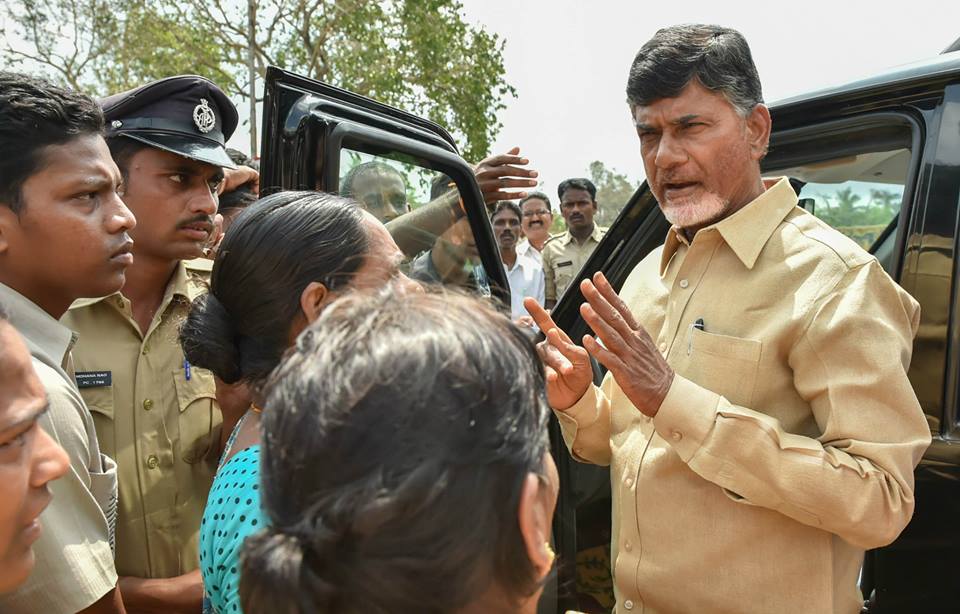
(94, 379)
(564, 263)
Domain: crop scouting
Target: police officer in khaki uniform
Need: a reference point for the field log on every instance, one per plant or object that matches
(155, 413)
(565, 254)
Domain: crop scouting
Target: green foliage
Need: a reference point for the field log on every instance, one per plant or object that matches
(614, 190)
(862, 221)
(419, 55)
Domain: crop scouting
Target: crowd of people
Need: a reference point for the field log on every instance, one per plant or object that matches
(213, 401)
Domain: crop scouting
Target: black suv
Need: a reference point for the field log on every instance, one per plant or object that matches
(879, 159)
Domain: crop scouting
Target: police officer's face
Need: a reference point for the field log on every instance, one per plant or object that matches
(29, 459)
(174, 200)
(70, 239)
(577, 208)
(382, 194)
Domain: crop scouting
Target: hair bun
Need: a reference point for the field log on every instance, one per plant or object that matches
(209, 338)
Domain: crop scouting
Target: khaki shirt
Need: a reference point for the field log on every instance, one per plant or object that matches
(161, 425)
(787, 442)
(74, 563)
(563, 257)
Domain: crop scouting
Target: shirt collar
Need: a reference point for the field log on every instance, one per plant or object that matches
(47, 338)
(596, 235)
(179, 285)
(747, 230)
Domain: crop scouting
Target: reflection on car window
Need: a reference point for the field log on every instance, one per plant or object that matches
(859, 195)
(422, 210)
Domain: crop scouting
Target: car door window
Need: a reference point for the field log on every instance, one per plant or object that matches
(421, 207)
(860, 195)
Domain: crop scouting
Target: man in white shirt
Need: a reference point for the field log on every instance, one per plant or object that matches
(536, 219)
(524, 272)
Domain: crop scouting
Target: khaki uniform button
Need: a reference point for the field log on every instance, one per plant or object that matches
(676, 435)
(148, 404)
(628, 604)
(684, 283)
(627, 546)
(153, 462)
(628, 482)
(663, 347)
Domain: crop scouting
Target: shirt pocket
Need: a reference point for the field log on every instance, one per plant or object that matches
(199, 413)
(723, 364)
(103, 487)
(99, 401)
(562, 276)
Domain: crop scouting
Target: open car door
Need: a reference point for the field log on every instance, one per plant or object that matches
(403, 169)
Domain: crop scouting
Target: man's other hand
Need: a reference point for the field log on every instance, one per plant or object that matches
(567, 365)
(627, 352)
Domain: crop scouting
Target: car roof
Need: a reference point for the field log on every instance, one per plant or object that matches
(939, 69)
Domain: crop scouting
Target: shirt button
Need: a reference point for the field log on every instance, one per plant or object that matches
(684, 283)
(144, 351)
(663, 347)
(148, 404)
(628, 604)
(628, 482)
(153, 462)
(626, 546)
(676, 435)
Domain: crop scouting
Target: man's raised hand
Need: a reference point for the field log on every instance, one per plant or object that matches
(566, 364)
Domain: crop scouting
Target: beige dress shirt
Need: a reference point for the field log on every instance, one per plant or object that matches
(563, 257)
(787, 442)
(74, 562)
(159, 419)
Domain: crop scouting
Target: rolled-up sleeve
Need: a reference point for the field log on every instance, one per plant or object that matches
(850, 364)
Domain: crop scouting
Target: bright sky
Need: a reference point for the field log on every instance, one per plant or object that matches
(568, 60)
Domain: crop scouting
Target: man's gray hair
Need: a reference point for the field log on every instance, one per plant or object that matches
(718, 58)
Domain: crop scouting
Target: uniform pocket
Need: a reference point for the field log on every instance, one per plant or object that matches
(103, 487)
(199, 413)
(99, 401)
(723, 364)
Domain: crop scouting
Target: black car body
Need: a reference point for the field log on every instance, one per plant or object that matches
(879, 158)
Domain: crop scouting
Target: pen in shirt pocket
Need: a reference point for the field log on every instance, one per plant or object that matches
(186, 369)
(697, 324)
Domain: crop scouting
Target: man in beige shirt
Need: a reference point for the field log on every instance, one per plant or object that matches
(154, 412)
(756, 416)
(566, 253)
(63, 235)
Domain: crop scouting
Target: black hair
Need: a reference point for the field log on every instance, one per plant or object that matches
(507, 204)
(346, 186)
(275, 248)
(537, 196)
(718, 58)
(577, 183)
(35, 114)
(397, 438)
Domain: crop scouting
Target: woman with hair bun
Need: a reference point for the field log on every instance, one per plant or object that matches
(285, 258)
(405, 464)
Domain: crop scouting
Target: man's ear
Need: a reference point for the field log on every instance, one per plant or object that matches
(758, 130)
(312, 300)
(534, 515)
(8, 221)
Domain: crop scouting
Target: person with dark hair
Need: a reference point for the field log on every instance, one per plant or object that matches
(63, 235)
(286, 257)
(757, 394)
(391, 494)
(536, 223)
(524, 273)
(29, 458)
(155, 413)
(565, 254)
(235, 200)
(379, 188)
